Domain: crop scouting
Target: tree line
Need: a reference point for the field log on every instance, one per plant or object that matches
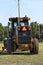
(3, 31)
(36, 30)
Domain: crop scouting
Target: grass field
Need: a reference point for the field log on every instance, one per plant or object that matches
(18, 59)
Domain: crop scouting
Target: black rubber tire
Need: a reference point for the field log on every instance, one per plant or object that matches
(9, 45)
(35, 47)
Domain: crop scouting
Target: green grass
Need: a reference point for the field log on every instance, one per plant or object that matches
(33, 59)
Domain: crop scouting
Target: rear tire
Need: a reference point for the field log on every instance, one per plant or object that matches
(35, 47)
(9, 45)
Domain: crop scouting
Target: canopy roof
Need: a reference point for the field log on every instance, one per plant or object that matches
(20, 19)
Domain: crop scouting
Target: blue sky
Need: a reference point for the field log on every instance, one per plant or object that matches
(31, 8)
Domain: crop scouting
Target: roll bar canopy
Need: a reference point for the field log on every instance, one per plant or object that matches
(20, 19)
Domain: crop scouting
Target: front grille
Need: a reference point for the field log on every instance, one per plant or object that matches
(24, 37)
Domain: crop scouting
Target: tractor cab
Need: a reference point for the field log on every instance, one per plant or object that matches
(14, 22)
(18, 24)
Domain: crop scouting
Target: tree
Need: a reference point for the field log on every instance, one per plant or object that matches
(35, 29)
(1, 32)
(41, 31)
(5, 31)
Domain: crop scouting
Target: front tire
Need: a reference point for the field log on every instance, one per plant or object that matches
(35, 47)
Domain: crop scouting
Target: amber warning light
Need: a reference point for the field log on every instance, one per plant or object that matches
(24, 28)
